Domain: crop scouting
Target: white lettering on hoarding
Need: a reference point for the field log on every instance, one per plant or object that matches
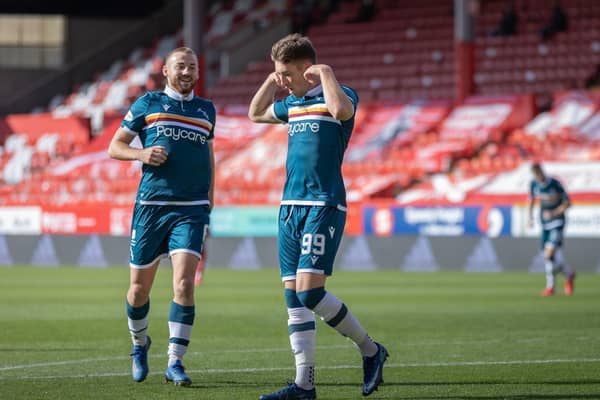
(428, 215)
(59, 222)
(441, 230)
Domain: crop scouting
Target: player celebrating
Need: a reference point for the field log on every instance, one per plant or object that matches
(173, 203)
(320, 116)
(554, 201)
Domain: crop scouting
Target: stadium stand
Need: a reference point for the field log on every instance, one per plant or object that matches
(405, 53)
(524, 63)
(412, 142)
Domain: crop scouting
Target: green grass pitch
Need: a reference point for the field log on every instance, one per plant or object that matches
(451, 335)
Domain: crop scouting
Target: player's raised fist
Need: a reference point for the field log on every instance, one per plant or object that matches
(313, 73)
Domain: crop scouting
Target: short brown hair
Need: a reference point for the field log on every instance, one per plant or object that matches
(185, 50)
(293, 47)
(536, 167)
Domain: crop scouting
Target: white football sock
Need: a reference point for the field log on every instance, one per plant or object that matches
(549, 266)
(139, 330)
(302, 332)
(336, 314)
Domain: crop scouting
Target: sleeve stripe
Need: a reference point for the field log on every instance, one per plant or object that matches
(129, 131)
(272, 110)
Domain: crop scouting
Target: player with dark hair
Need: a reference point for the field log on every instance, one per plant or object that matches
(554, 201)
(173, 203)
(320, 116)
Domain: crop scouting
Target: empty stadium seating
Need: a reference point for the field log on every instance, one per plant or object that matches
(406, 52)
(408, 134)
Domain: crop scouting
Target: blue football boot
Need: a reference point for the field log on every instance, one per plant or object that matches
(373, 370)
(291, 392)
(176, 374)
(139, 357)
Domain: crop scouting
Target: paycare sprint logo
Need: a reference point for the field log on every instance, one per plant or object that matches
(303, 127)
(177, 133)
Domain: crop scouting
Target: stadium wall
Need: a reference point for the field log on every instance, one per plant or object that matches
(92, 44)
(478, 238)
(361, 253)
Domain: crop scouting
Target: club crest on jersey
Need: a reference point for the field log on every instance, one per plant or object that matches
(204, 114)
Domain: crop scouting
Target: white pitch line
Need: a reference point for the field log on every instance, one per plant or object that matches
(329, 367)
(117, 358)
(257, 350)
(200, 353)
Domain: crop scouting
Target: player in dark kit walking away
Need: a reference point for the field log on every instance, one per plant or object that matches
(554, 201)
(173, 203)
(320, 116)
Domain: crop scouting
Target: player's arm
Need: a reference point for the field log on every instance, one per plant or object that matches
(211, 189)
(338, 103)
(564, 205)
(260, 106)
(530, 204)
(120, 149)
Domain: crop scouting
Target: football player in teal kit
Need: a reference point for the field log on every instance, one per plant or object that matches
(174, 200)
(554, 201)
(319, 113)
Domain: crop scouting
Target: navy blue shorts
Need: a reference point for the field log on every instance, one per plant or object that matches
(308, 239)
(552, 237)
(160, 231)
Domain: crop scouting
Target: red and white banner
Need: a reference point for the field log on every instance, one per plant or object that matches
(66, 220)
(76, 220)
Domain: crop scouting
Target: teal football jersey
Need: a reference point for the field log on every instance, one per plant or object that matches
(551, 194)
(184, 126)
(316, 146)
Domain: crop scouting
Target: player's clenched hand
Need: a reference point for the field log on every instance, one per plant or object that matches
(155, 155)
(313, 73)
(547, 214)
(276, 78)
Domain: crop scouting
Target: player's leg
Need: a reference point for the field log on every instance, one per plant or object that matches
(312, 294)
(556, 237)
(549, 249)
(301, 321)
(185, 247)
(147, 246)
(138, 307)
(320, 242)
(138, 301)
(181, 316)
